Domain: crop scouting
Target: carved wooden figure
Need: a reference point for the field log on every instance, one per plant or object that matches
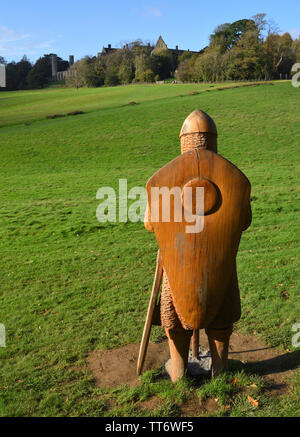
(198, 260)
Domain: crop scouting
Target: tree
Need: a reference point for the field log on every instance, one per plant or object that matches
(148, 76)
(112, 76)
(23, 68)
(142, 64)
(185, 70)
(244, 60)
(296, 49)
(82, 73)
(285, 55)
(227, 35)
(209, 66)
(162, 64)
(16, 74)
(279, 55)
(260, 23)
(126, 68)
(221, 38)
(11, 77)
(62, 65)
(99, 72)
(185, 55)
(113, 62)
(40, 74)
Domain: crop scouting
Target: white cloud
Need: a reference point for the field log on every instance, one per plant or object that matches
(14, 44)
(8, 35)
(151, 11)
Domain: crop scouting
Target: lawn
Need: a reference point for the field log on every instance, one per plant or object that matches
(71, 285)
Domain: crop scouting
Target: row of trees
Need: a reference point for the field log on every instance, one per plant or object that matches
(244, 50)
(23, 75)
(132, 63)
(240, 51)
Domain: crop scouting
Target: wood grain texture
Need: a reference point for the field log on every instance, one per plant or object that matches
(201, 266)
(149, 318)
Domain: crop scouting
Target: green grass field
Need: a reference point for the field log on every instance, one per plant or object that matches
(70, 285)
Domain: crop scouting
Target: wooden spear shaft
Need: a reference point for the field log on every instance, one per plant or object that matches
(147, 328)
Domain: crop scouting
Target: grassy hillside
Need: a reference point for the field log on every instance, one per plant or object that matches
(28, 106)
(70, 285)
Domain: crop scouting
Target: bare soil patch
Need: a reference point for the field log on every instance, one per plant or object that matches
(116, 367)
(194, 407)
(150, 404)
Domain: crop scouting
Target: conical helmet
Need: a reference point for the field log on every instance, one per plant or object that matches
(198, 131)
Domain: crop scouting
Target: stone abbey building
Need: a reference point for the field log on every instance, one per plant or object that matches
(160, 45)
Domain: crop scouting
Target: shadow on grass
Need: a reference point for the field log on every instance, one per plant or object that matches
(269, 367)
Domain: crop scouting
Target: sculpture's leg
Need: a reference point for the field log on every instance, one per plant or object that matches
(219, 344)
(179, 344)
(195, 343)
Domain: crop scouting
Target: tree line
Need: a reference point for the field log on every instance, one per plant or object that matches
(247, 49)
(24, 75)
(131, 64)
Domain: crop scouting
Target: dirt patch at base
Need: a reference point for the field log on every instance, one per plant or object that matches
(195, 407)
(150, 404)
(116, 367)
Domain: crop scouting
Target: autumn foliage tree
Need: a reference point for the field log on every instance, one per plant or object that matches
(247, 49)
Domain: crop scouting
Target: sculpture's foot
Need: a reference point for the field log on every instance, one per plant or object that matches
(179, 343)
(219, 343)
(168, 367)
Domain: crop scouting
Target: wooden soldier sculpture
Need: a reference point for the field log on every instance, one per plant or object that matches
(198, 266)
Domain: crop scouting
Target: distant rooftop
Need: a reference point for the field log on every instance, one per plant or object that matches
(160, 45)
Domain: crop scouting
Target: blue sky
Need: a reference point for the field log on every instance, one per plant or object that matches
(65, 27)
